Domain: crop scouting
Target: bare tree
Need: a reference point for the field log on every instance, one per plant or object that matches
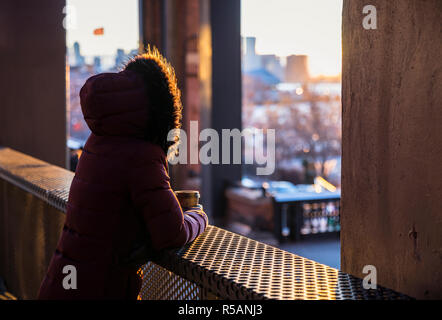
(307, 128)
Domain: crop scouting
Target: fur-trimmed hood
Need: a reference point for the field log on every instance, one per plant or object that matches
(115, 104)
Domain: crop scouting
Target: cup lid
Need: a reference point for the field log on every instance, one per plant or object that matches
(187, 193)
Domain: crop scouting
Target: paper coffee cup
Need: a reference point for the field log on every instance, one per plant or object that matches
(188, 198)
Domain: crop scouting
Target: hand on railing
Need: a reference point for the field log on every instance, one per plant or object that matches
(199, 210)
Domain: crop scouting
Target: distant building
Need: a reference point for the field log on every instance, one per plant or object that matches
(120, 58)
(297, 69)
(97, 64)
(251, 60)
(272, 64)
(133, 53)
(265, 64)
(79, 59)
(266, 78)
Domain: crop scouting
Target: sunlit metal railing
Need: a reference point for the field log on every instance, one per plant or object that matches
(218, 264)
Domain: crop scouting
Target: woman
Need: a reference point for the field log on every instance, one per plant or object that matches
(121, 195)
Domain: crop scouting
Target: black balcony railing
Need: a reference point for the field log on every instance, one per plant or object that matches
(218, 264)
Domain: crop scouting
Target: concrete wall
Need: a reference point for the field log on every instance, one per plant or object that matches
(29, 232)
(392, 145)
(32, 78)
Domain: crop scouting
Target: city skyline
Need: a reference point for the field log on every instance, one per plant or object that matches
(294, 29)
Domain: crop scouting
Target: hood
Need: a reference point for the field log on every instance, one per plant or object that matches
(115, 104)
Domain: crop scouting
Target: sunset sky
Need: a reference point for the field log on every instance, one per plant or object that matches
(282, 27)
(119, 18)
(285, 27)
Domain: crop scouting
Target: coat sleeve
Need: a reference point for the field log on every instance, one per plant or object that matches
(154, 198)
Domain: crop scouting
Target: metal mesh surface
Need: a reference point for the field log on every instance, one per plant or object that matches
(48, 182)
(235, 267)
(217, 264)
(162, 284)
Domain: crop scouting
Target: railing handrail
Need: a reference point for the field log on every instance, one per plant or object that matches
(225, 264)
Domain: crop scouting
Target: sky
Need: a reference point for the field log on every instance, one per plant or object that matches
(119, 18)
(285, 27)
(282, 27)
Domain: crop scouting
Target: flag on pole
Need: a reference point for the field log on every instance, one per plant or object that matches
(99, 31)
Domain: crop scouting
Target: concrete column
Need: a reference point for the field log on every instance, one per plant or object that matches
(392, 145)
(152, 22)
(163, 26)
(32, 79)
(220, 85)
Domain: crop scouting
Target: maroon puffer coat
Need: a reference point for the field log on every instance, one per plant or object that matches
(120, 194)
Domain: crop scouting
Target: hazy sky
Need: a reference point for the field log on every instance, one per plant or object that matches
(282, 27)
(119, 18)
(285, 27)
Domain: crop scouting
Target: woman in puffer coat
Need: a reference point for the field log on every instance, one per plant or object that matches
(121, 195)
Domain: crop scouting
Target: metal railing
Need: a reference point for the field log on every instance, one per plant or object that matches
(217, 265)
(299, 218)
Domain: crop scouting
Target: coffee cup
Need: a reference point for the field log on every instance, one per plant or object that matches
(188, 198)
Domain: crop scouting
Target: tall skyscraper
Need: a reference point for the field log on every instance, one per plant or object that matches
(297, 69)
(251, 61)
(97, 64)
(79, 59)
(120, 58)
